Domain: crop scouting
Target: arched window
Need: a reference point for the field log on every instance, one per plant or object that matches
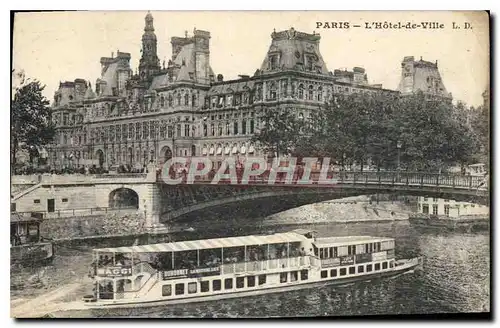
(186, 130)
(212, 129)
(228, 131)
(301, 91)
(252, 126)
(320, 94)
(235, 128)
(179, 130)
(186, 99)
(205, 130)
(162, 101)
(178, 99)
(193, 101)
(170, 100)
(272, 91)
(310, 94)
(219, 128)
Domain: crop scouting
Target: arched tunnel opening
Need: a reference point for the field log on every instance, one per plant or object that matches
(123, 198)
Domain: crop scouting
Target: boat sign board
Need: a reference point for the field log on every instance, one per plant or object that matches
(191, 272)
(363, 258)
(347, 260)
(379, 256)
(116, 271)
(326, 263)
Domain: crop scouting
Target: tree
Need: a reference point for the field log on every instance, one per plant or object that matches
(31, 125)
(280, 132)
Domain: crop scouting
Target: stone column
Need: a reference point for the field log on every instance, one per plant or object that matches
(151, 206)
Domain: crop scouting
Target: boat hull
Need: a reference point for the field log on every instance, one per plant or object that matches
(408, 265)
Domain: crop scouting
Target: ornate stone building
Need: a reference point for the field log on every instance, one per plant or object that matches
(182, 108)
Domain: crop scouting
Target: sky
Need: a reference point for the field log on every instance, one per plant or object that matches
(63, 46)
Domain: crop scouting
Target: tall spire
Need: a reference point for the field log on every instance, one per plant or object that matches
(149, 23)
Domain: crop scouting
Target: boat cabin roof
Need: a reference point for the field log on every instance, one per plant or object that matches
(24, 218)
(348, 240)
(277, 238)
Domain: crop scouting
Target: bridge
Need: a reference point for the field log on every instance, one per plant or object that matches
(162, 203)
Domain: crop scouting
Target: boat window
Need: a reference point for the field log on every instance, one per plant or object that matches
(361, 268)
(304, 275)
(64, 200)
(179, 289)
(251, 281)
(384, 265)
(333, 272)
(366, 248)
(204, 286)
(36, 201)
(369, 268)
(324, 274)
(192, 287)
(377, 266)
(332, 254)
(352, 270)
(315, 250)
(166, 290)
(283, 276)
(370, 248)
(228, 283)
(379, 246)
(321, 255)
(240, 282)
(391, 264)
(294, 276)
(335, 252)
(262, 279)
(216, 285)
(343, 271)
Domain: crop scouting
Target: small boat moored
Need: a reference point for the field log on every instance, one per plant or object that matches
(214, 269)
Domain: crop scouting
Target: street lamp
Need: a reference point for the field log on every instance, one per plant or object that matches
(398, 146)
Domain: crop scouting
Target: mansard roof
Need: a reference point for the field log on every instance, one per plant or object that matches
(293, 50)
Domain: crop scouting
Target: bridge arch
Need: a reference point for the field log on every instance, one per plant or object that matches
(123, 198)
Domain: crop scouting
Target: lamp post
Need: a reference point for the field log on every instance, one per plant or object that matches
(398, 146)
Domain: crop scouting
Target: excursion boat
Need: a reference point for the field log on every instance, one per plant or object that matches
(214, 269)
(27, 246)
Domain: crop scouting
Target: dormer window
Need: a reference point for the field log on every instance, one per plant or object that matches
(273, 62)
(301, 91)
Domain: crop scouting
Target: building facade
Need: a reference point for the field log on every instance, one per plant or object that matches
(182, 108)
(449, 207)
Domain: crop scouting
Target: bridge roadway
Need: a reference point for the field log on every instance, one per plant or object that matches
(162, 202)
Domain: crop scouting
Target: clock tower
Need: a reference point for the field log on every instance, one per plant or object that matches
(149, 63)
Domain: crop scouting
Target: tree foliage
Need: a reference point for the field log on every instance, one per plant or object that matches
(31, 125)
(359, 128)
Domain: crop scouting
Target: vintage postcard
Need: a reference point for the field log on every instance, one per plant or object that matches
(250, 164)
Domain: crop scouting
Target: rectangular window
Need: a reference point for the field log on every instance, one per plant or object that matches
(179, 289)
(283, 277)
(377, 266)
(434, 209)
(228, 283)
(294, 276)
(64, 200)
(262, 279)
(447, 210)
(324, 274)
(384, 265)
(425, 209)
(361, 268)
(251, 281)
(216, 285)
(240, 282)
(166, 290)
(12, 207)
(304, 275)
(192, 287)
(352, 270)
(333, 272)
(204, 286)
(36, 201)
(391, 264)
(343, 271)
(369, 268)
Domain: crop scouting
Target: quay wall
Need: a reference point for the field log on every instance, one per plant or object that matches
(101, 225)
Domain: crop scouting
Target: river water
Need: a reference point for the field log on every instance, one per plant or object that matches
(455, 277)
